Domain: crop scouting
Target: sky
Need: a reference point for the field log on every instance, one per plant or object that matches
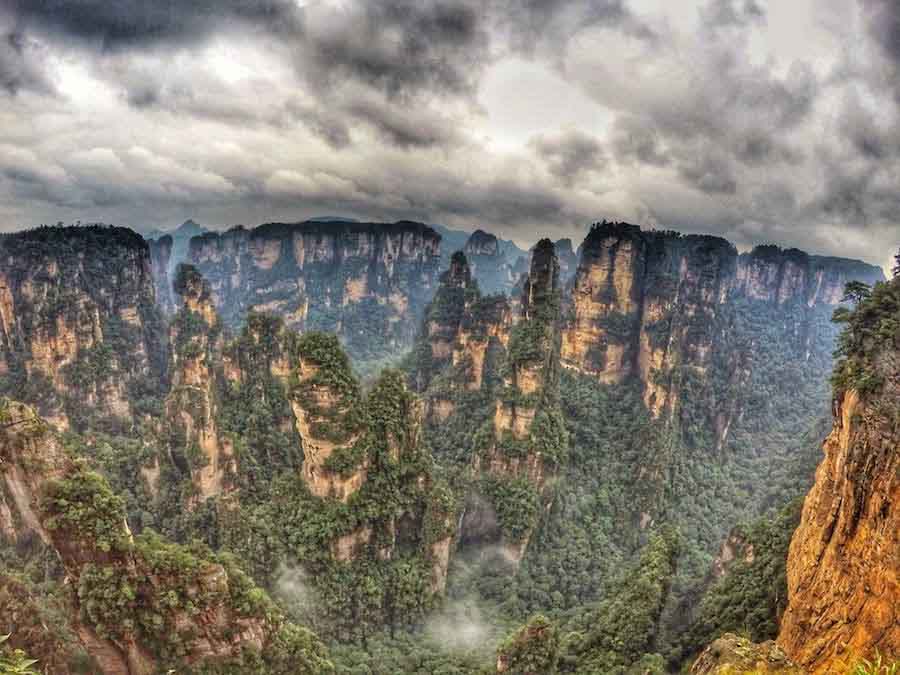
(758, 120)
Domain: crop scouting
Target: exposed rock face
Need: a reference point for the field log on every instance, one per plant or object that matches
(192, 406)
(648, 304)
(568, 260)
(525, 441)
(461, 329)
(367, 282)
(160, 264)
(326, 415)
(79, 328)
(732, 655)
(482, 243)
(735, 547)
(488, 263)
(75, 513)
(599, 337)
(844, 559)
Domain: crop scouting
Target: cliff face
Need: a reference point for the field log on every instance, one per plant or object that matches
(568, 260)
(355, 446)
(141, 604)
(659, 305)
(195, 442)
(160, 265)
(521, 447)
(462, 330)
(80, 333)
(367, 282)
(488, 263)
(844, 558)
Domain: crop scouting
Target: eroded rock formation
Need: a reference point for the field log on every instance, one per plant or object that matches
(844, 559)
(488, 263)
(160, 266)
(367, 282)
(79, 328)
(196, 443)
(658, 306)
(142, 604)
(522, 446)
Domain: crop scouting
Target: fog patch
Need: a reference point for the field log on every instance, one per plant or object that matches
(295, 592)
(460, 626)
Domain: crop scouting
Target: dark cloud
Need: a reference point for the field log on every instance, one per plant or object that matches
(256, 110)
(400, 48)
(708, 172)
(636, 139)
(530, 26)
(123, 23)
(21, 65)
(569, 155)
(884, 24)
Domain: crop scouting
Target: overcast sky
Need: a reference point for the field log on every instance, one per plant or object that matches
(760, 120)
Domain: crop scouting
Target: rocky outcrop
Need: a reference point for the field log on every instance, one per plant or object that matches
(659, 306)
(482, 244)
(80, 333)
(367, 282)
(733, 655)
(568, 260)
(196, 444)
(531, 650)
(524, 443)
(203, 610)
(488, 263)
(844, 558)
(326, 405)
(460, 331)
(160, 264)
(599, 335)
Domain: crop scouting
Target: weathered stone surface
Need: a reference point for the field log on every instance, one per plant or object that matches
(733, 655)
(79, 325)
(367, 282)
(646, 303)
(844, 559)
(191, 406)
(160, 264)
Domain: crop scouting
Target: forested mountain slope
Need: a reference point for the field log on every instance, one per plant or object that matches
(610, 463)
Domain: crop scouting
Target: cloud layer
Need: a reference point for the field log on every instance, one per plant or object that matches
(755, 119)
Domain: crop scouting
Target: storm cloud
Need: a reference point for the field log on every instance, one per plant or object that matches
(529, 117)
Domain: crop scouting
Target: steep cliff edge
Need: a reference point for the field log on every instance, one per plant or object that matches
(462, 332)
(488, 263)
(141, 604)
(366, 282)
(521, 447)
(667, 309)
(844, 558)
(80, 333)
(161, 270)
(196, 444)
